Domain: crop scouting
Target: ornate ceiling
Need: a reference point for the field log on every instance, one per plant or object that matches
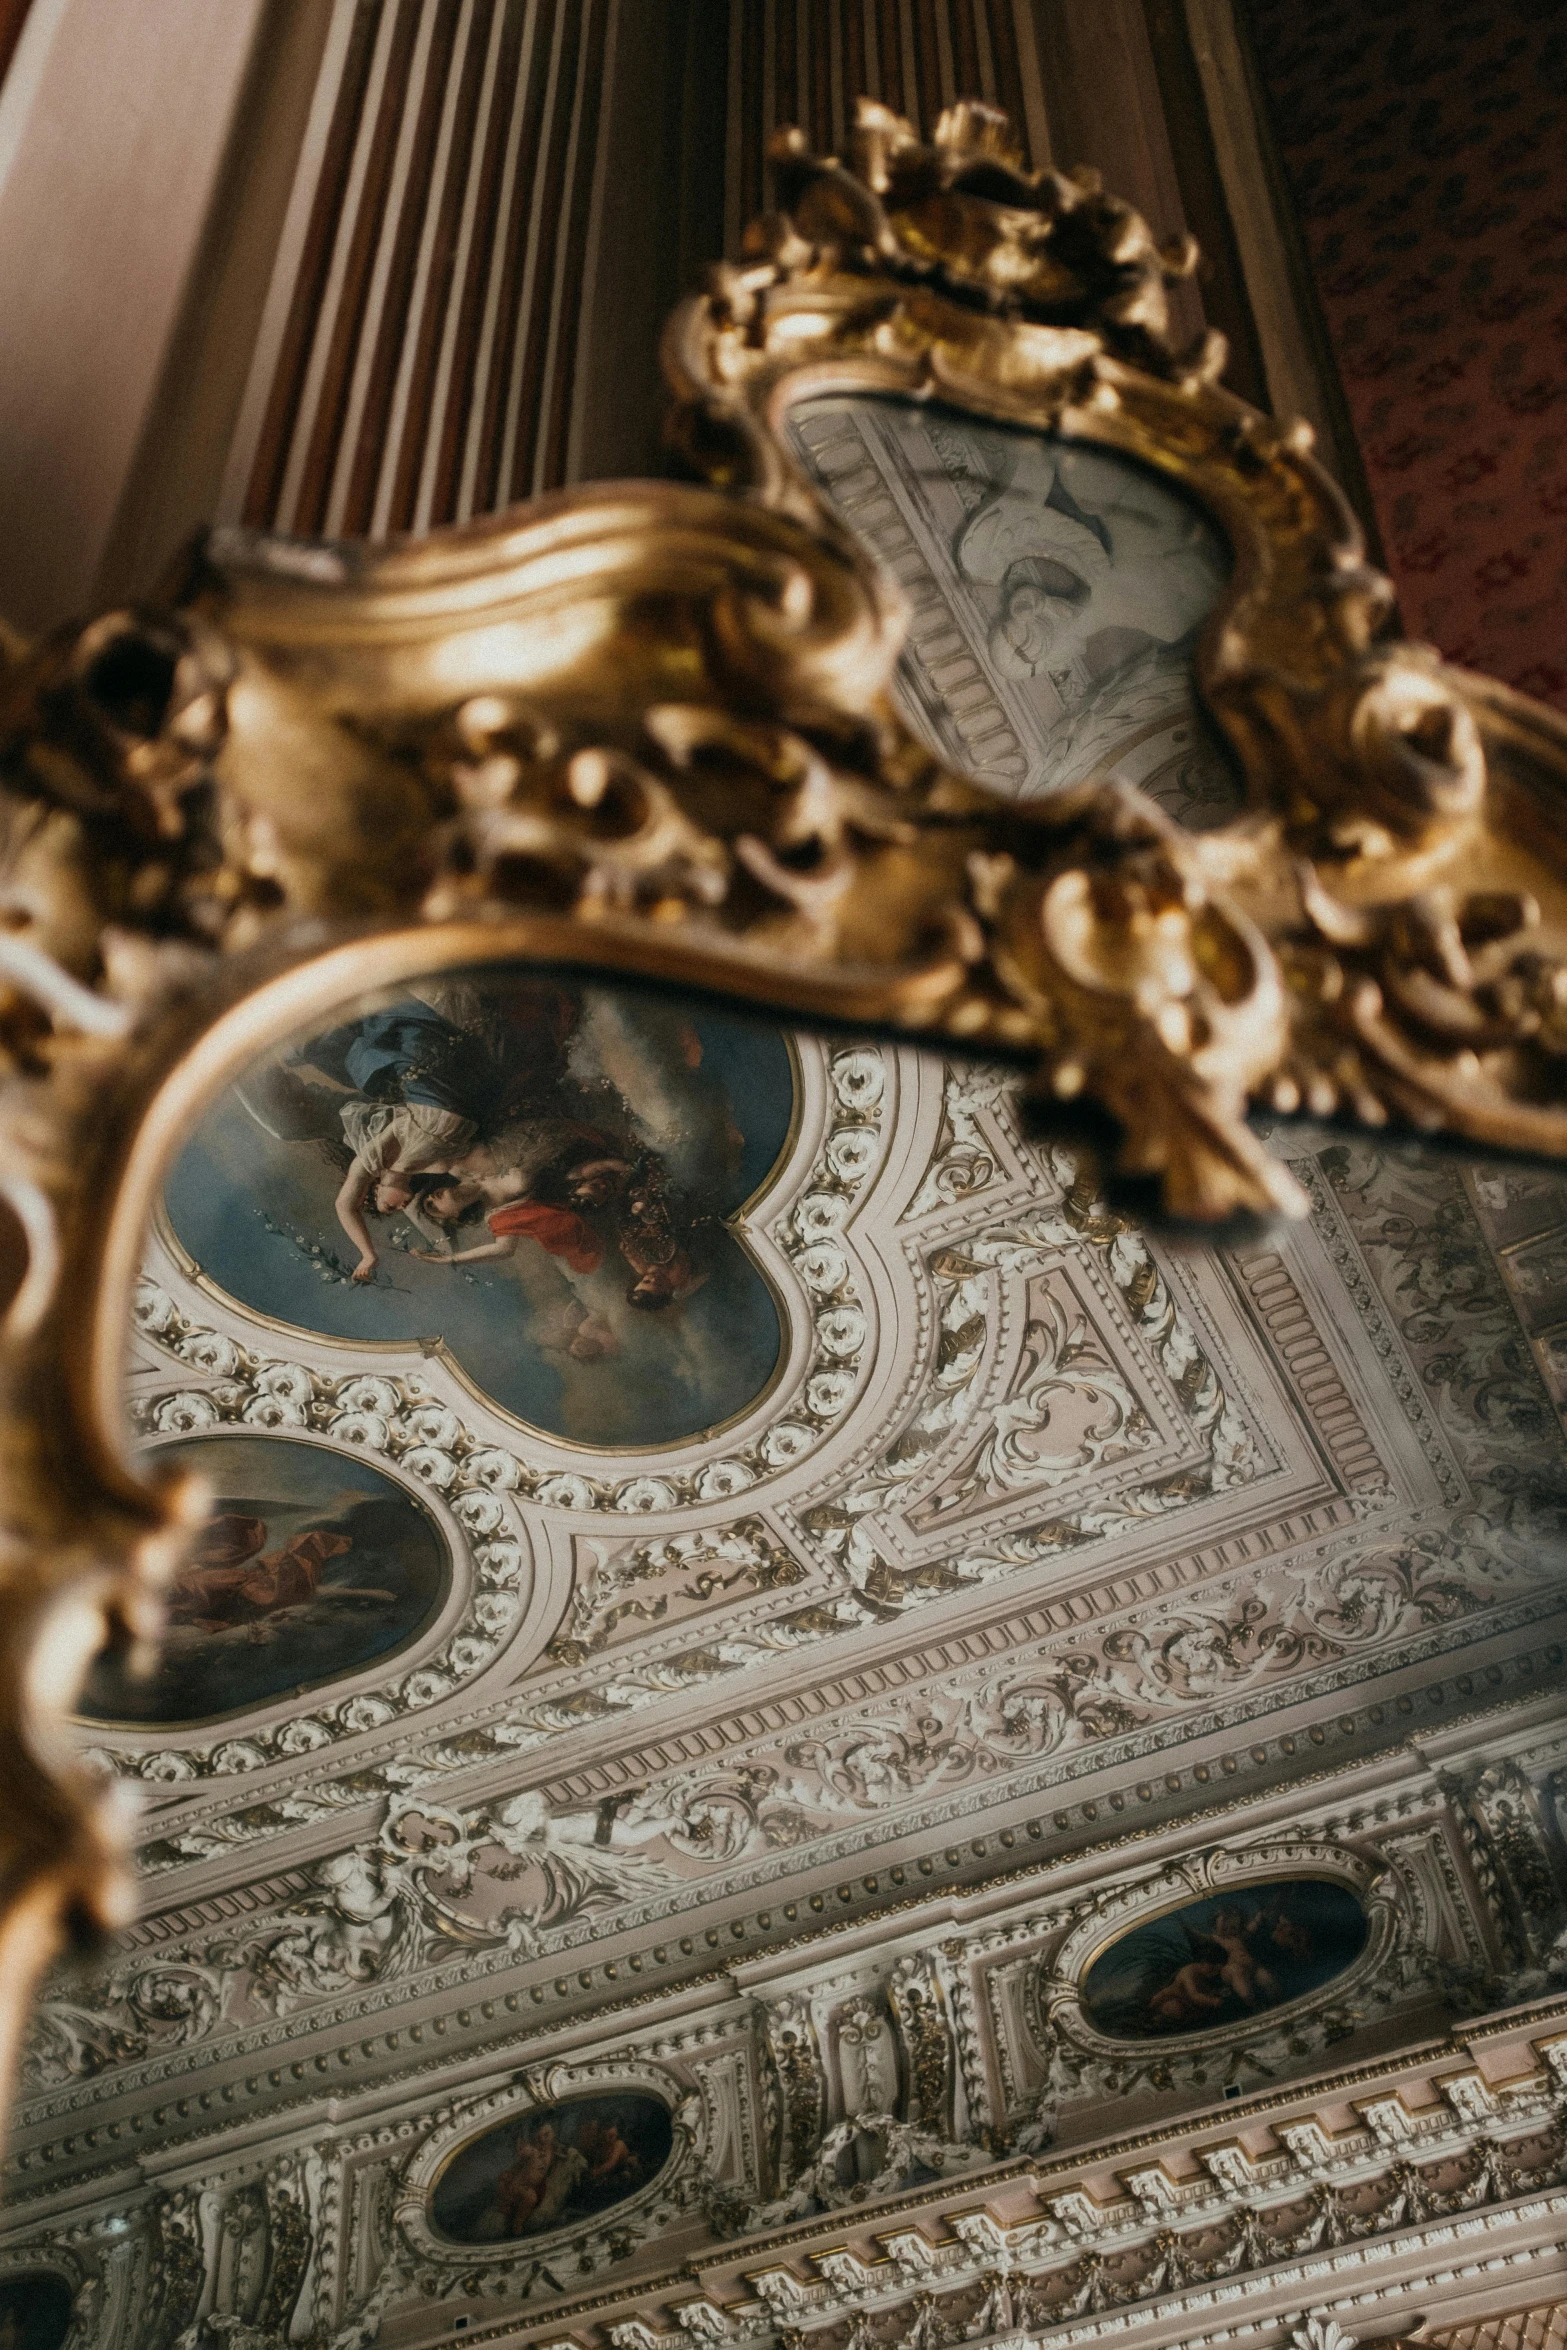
(786, 1729)
(970, 1737)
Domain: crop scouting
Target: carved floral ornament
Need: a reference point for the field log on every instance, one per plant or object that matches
(645, 727)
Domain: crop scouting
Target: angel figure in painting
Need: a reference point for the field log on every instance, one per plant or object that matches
(546, 1189)
(452, 1116)
(408, 1086)
(554, 2166)
(1221, 1960)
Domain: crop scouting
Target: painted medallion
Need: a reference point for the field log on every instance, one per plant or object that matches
(35, 2311)
(1220, 1961)
(556, 2165)
(1056, 596)
(544, 1177)
(311, 1565)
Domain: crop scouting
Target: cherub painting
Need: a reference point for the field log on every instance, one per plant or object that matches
(310, 1565)
(1220, 1961)
(553, 2166)
(544, 1177)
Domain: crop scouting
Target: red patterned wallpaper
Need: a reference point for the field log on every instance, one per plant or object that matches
(1426, 145)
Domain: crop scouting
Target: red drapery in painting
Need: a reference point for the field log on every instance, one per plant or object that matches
(1426, 147)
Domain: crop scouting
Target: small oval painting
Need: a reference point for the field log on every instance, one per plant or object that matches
(311, 1565)
(1224, 1960)
(551, 2167)
(547, 1179)
(35, 2311)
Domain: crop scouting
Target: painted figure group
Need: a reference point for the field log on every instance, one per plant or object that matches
(555, 2173)
(462, 1113)
(1230, 1961)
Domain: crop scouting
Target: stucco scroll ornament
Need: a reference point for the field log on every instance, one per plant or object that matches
(646, 727)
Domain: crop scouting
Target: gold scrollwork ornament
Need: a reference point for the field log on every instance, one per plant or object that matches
(1383, 931)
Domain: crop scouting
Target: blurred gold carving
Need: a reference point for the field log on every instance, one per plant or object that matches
(1384, 931)
(644, 727)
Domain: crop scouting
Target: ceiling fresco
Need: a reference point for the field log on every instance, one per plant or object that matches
(1029, 1687)
(530, 1175)
(310, 1566)
(1055, 597)
(1219, 1962)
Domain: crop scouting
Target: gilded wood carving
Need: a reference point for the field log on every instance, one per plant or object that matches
(647, 727)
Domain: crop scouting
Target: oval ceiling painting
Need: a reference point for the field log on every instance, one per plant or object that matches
(544, 1176)
(311, 1565)
(1224, 1960)
(35, 2311)
(552, 2167)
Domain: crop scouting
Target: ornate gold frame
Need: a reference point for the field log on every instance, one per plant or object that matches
(645, 727)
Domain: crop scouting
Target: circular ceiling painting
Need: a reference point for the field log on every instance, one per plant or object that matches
(1224, 1960)
(311, 1565)
(556, 2165)
(542, 1176)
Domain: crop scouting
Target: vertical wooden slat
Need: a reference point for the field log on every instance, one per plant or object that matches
(458, 366)
(889, 45)
(967, 79)
(840, 93)
(264, 494)
(432, 360)
(752, 19)
(533, 100)
(1001, 23)
(549, 462)
(820, 44)
(324, 447)
(526, 401)
(433, 336)
(369, 441)
(430, 365)
(857, 62)
(869, 76)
